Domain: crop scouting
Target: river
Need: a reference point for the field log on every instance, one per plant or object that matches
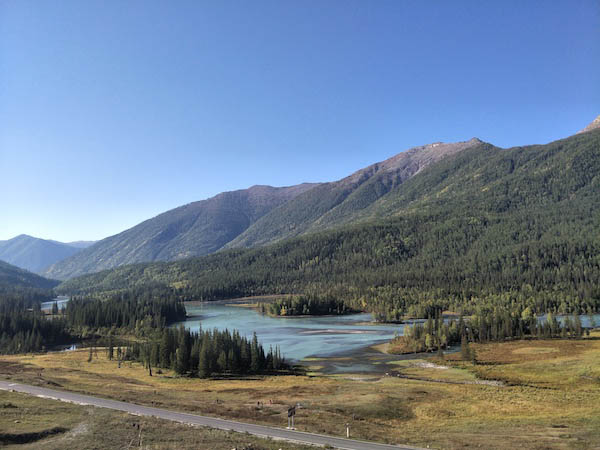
(61, 302)
(297, 337)
(343, 341)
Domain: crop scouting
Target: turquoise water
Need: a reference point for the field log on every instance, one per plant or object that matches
(585, 320)
(298, 337)
(61, 301)
(301, 337)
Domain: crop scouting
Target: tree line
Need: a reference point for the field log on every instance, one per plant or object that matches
(207, 353)
(407, 267)
(484, 326)
(126, 310)
(312, 304)
(24, 328)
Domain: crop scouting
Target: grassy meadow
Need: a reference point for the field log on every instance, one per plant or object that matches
(527, 394)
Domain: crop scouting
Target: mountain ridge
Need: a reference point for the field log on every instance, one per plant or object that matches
(34, 254)
(253, 216)
(340, 202)
(192, 229)
(593, 125)
(262, 215)
(485, 225)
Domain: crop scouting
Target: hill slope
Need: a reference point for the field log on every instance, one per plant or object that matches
(15, 278)
(519, 226)
(343, 201)
(81, 244)
(34, 254)
(190, 230)
(256, 216)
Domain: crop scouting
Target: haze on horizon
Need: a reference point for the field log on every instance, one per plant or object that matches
(114, 112)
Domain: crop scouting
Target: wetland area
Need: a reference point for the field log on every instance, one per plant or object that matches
(324, 344)
(350, 343)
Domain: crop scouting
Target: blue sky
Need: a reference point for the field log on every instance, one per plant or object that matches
(112, 112)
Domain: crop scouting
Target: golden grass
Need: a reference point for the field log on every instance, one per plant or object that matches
(552, 399)
(383, 347)
(568, 365)
(534, 350)
(31, 422)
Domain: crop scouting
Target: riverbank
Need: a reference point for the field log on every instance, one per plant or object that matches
(239, 300)
(297, 337)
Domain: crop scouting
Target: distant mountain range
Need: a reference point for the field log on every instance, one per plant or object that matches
(35, 254)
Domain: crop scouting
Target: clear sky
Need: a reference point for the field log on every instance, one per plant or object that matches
(114, 111)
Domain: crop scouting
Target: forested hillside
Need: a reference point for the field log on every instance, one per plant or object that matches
(345, 201)
(19, 284)
(195, 229)
(486, 226)
(14, 277)
(256, 216)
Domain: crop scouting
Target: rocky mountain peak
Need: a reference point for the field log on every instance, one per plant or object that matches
(414, 159)
(592, 126)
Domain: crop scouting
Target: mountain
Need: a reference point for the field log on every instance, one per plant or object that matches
(81, 244)
(482, 226)
(194, 229)
(595, 124)
(344, 201)
(34, 254)
(15, 278)
(256, 216)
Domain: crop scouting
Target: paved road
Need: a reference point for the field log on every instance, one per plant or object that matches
(212, 422)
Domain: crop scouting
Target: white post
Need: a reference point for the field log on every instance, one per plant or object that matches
(347, 430)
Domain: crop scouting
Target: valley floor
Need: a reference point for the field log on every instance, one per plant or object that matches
(527, 394)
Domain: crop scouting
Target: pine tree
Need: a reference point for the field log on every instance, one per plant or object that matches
(255, 363)
(182, 353)
(465, 353)
(204, 366)
(165, 351)
(473, 356)
(577, 326)
(222, 361)
(110, 352)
